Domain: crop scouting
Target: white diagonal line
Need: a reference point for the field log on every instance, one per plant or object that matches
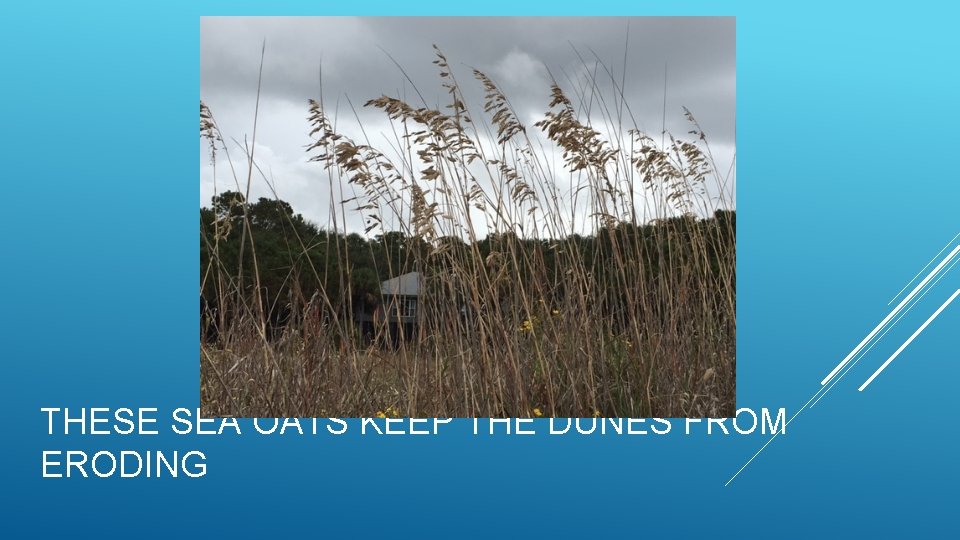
(762, 448)
(910, 340)
(785, 424)
(815, 398)
(892, 314)
(822, 391)
(894, 323)
(924, 268)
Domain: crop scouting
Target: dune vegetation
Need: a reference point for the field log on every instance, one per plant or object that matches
(572, 267)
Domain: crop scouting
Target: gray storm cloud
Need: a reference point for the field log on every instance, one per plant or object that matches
(359, 58)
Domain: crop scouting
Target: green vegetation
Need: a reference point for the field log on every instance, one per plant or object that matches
(519, 313)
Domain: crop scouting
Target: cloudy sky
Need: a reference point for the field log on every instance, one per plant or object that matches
(523, 55)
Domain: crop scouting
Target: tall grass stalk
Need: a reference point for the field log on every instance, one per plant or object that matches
(519, 314)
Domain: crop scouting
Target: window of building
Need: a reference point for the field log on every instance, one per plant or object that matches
(404, 306)
(408, 307)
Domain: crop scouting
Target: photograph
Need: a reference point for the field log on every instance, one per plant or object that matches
(468, 217)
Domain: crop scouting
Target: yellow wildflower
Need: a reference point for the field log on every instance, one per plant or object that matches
(537, 413)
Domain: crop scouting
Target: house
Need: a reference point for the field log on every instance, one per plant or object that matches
(397, 313)
(402, 308)
(399, 298)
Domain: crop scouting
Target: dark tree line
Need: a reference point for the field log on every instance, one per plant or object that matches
(265, 247)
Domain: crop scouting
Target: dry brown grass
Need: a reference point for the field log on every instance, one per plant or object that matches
(570, 338)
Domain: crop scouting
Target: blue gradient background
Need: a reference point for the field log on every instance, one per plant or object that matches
(847, 187)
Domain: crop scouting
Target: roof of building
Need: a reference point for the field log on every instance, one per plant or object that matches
(404, 285)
